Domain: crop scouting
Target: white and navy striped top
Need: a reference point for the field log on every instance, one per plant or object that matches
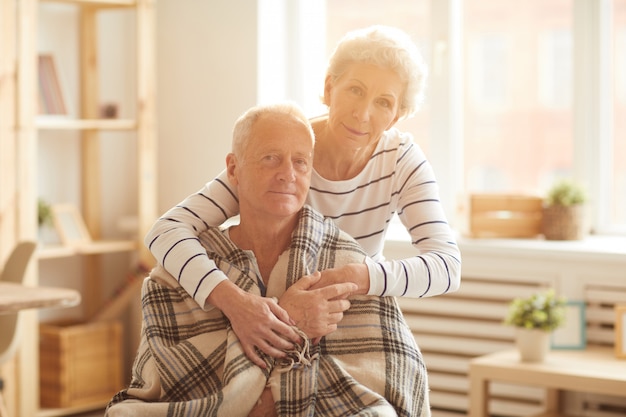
(398, 178)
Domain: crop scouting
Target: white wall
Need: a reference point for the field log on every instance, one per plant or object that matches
(207, 72)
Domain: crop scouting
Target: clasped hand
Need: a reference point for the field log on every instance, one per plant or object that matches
(261, 323)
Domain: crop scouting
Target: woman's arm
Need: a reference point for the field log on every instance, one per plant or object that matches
(173, 240)
(436, 268)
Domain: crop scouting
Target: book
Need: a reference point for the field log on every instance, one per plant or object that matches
(50, 92)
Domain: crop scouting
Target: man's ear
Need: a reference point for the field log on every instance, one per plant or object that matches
(231, 168)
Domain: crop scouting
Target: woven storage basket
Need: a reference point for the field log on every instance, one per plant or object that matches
(80, 364)
(563, 222)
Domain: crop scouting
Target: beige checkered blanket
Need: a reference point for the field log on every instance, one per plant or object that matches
(190, 362)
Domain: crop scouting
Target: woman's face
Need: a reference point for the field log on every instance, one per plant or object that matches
(363, 103)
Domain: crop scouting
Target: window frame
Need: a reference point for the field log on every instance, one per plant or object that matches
(592, 93)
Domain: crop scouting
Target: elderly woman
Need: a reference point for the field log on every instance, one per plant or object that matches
(364, 171)
(190, 362)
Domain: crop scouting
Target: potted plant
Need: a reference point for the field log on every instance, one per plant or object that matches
(564, 212)
(44, 213)
(45, 222)
(535, 318)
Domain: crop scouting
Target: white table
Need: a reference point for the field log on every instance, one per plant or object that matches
(15, 297)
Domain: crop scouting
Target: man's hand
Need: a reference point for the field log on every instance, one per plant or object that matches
(257, 321)
(316, 311)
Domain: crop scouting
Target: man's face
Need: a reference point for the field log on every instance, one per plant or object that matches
(274, 173)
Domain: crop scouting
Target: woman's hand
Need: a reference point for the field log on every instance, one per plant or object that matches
(259, 322)
(355, 273)
(316, 311)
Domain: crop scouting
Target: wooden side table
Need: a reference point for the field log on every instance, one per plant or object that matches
(593, 370)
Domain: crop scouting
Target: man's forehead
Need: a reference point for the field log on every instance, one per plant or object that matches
(282, 143)
(282, 128)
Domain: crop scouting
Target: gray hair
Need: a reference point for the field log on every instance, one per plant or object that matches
(242, 131)
(385, 47)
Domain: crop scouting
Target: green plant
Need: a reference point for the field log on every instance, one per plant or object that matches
(44, 213)
(544, 311)
(566, 193)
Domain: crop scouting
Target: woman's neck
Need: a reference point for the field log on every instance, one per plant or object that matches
(334, 162)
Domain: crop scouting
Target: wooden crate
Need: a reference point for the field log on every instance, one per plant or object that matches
(503, 215)
(80, 364)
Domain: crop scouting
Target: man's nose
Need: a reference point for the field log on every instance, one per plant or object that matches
(287, 171)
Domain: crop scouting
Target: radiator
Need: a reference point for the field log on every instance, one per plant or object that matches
(452, 329)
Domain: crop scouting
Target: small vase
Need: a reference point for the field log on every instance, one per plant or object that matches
(564, 222)
(533, 344)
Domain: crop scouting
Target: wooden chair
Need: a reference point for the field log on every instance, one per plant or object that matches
(13, 271)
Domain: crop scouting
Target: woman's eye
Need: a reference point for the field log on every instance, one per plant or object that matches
(384, 103)
(355, 90)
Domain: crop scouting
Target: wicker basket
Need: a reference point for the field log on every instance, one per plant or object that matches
(80, 364)
(564, 222)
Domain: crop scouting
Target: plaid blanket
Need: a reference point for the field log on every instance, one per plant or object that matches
(190, 363)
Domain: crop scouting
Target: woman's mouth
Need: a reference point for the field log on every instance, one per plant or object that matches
(354, 132)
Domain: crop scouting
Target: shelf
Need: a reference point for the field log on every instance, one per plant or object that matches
(67, 123)
(88, 248)
(100, 3)
(70, 31)
(54, 412)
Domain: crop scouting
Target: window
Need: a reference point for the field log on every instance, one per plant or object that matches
(487, 71)
(522, 76)
(517, 134)
(617, 204)
(555, 69)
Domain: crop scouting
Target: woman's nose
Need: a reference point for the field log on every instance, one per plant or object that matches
(362, 112)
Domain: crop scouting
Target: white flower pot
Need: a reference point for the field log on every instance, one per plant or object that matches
(533, 344)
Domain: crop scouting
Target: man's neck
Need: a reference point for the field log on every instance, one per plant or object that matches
(266, 239)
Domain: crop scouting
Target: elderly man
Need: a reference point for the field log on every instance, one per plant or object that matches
(190, 361)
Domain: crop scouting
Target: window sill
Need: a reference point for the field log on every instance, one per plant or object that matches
(593, 247)
(597, 248)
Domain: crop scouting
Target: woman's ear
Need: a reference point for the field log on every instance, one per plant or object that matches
(328, 84)
(231, 168)
(394, 121)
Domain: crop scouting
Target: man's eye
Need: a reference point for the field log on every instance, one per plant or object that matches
(301, 163)
(270, 160)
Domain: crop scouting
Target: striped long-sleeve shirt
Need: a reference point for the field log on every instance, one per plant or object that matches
(398, 178)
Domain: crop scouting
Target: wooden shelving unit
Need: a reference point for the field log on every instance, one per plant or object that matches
(91, 248)
(21, 133)
(85, 124)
